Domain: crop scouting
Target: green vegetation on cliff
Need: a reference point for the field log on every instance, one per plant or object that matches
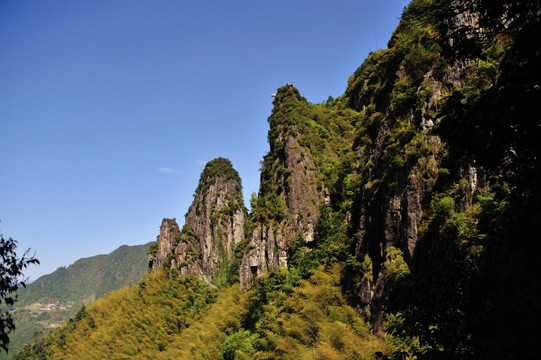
(324, 135)
(217, 168)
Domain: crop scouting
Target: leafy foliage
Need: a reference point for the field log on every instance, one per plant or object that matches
(11, 267)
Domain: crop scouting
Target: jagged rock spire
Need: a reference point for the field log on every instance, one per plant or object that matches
(289, 198)
(214, 225)
(169, 233)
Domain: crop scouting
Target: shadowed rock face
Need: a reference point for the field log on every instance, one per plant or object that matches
(214, 225)
(393, 216)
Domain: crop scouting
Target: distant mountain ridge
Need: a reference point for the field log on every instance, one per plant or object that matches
(54, 298)
(89, 278)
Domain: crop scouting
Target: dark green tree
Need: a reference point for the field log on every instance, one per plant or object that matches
(11, 268)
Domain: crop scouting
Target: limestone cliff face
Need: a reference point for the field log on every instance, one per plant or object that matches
(216, 218)
(289, 198)
(214, 225)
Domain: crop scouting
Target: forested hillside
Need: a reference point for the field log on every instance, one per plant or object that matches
(52, 299)
(398, 221)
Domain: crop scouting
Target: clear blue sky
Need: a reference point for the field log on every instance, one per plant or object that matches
(109, 109)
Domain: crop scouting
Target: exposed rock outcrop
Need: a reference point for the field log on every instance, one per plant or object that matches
(214, 225)
(289, 197)
(166, 241)
(215, 220)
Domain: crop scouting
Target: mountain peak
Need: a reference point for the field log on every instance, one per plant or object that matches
(214, 225)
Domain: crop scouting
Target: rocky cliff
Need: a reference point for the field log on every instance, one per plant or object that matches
(214, 225)
(373, 156)
(290, 197)
(402, 159)
(165, 243)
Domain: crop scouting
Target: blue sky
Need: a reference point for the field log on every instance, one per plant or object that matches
(109, 109)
